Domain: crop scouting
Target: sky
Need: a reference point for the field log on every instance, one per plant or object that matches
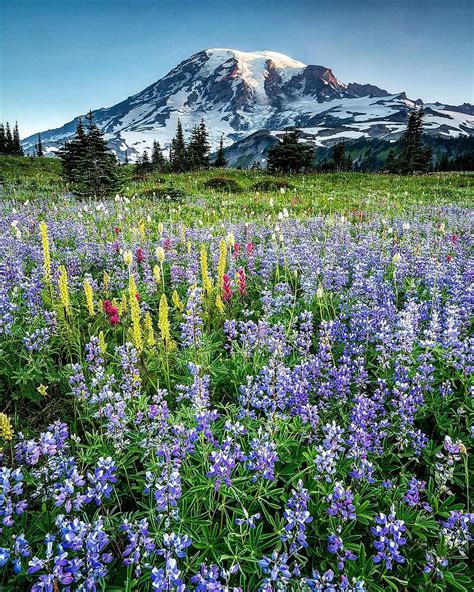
(60, 58)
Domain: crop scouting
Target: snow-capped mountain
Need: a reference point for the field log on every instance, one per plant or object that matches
(238, 94)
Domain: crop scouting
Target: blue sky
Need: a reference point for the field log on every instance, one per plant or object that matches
(58, 58)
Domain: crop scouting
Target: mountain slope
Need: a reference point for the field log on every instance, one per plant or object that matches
(240, 93)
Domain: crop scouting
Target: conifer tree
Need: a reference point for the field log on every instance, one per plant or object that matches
(17, 150)
(221, 160)
(391, 164)
(87, 162)
(158, 160)
(178, 151)
(8, 140)
(414, 157)
(3, 140)
(290, 156)
(39, 147)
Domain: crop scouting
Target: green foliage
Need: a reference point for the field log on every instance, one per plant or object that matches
(291, 155)
(220, 161)
(88, 165)
(223, 184)
(10, 142)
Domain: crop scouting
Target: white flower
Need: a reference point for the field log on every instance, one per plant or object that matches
(127, 257)
(160, 254)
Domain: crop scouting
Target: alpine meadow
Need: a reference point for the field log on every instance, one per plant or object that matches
(236, 342)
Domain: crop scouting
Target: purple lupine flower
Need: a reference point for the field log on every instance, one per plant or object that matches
(140, 545)
(341, 505)
(101, 481)
(435, 564)
(223, 460)
(12, 502)
(413, 494)
(389, 532)
(297, 517)
(191, 327)
(262, 458)
(336, 547)
(166, 490)
(456, 530)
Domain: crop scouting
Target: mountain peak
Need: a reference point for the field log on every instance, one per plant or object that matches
(239, 93)
(279, 60)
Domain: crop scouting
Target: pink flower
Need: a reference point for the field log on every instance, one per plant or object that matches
(226, 288)
(242, 281)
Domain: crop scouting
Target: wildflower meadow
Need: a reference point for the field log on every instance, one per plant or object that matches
(253, 393)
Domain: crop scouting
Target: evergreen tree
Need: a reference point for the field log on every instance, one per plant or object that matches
(87, 162)
(414, 157)
(17, 150)
(39, 147)
(8, 140)
(158, 160)
(178, 151)
(143, 166)
(198, 148)
(391, 164)
(221, 160)
(3, 140)
(290, 156)
(338, 156)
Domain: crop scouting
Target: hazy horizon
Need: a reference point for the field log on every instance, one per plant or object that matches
(58, 59)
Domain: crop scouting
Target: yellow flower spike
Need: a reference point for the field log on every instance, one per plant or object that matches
(188, 247)
(160, 227)
(106, 281)
(46, 253)
(157, 274)
(183, 234)
(141, 229)
(222, 263)
(150, 335)
(135, 314)
(89, 297)
(206, 284)
(102, 342)
(123, 306)
(164, 322)
(63, 288)
(219, 304)
(176, 301)
(6, 430)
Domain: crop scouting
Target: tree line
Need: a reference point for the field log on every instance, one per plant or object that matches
(10, 140)
(183, 156)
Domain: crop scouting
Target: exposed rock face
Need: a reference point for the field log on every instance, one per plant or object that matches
(238, 94)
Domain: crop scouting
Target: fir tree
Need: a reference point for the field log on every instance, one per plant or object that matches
(198, 148)
(158, 160)
(17, 150)
(3, 140)
(290, 156)
(338, 156)
(87, 162)
(8, 140)
(414, 157)
(391, 164)
(221, 160)
(39, 147)
(178, 151)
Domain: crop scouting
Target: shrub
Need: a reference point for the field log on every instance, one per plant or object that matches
(223, 184)
(272, 185)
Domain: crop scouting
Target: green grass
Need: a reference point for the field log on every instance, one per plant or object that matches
(28, 178)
